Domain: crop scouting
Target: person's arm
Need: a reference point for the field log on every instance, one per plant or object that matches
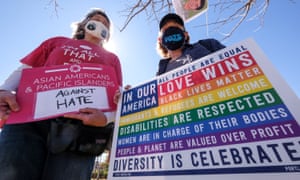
(110, 117)
(8, 100)
(91, 117)
(13, 80)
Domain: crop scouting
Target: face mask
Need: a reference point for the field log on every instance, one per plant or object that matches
(173, 38)
(97, 29)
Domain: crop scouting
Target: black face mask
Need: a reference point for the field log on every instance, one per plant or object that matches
(173, 38)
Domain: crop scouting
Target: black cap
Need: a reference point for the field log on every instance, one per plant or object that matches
(171, 17)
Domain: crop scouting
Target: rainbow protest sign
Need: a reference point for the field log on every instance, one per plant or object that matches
(229, 114)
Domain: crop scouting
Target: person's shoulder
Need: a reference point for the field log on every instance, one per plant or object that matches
(56, 39)
(164, 61)
(113, 57)
(112, 54)
(209, 41)
(162, 65)
(52, 41)
(211, 44)
(60, 38)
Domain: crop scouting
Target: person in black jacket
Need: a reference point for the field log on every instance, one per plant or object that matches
(174, 47)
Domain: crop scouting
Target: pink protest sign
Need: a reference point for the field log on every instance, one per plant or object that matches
(49, 92)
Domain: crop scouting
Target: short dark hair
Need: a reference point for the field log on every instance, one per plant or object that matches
(171, 17)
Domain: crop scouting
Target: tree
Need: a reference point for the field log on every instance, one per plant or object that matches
(230, 14)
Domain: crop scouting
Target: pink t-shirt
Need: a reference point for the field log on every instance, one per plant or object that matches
(63, 50)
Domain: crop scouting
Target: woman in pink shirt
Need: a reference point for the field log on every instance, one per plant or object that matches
(63, 147)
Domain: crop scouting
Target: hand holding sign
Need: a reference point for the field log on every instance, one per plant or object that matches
(8, 103)
(89, 117)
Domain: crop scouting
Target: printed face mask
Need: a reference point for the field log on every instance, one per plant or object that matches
(97, 29)
(173, 38)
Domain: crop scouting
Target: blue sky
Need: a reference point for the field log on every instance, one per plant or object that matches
(25, 24)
